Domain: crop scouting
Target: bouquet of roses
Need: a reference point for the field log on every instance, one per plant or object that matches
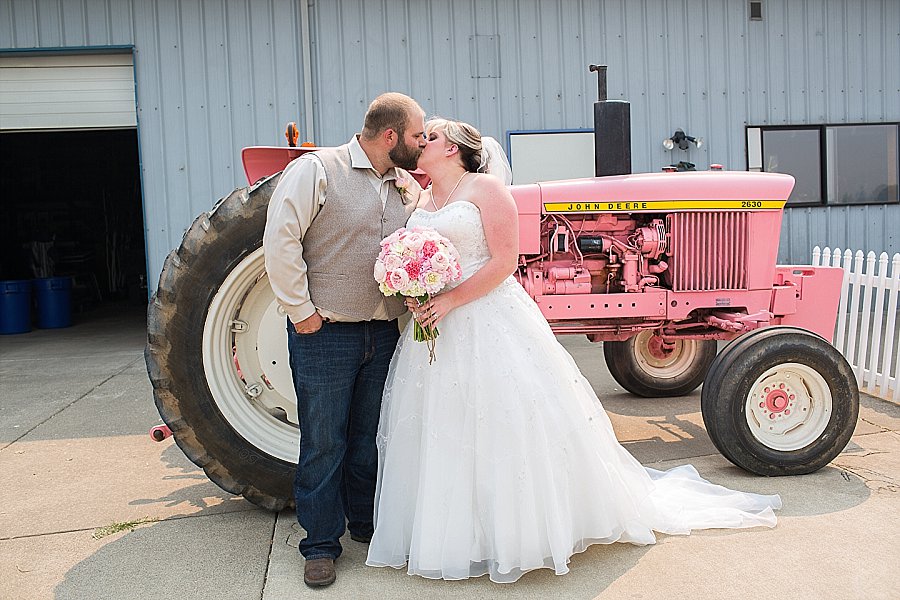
(417, 262)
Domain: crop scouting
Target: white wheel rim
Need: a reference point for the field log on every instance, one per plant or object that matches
(789, 407)
(675, 363)
(258, 400)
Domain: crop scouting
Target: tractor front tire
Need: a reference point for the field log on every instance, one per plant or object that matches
(217, 356)
(780, 401)
(645, 368)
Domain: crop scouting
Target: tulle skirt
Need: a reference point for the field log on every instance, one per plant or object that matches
(498, 458)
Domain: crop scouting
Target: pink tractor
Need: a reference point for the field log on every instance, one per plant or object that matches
(657, 266)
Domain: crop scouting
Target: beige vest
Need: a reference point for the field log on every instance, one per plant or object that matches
(344, 239)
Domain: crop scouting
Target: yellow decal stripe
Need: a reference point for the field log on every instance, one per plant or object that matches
(661, 205)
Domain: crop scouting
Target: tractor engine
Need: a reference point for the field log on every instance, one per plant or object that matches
(600, 254)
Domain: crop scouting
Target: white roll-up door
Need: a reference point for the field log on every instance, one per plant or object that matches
(66, 91)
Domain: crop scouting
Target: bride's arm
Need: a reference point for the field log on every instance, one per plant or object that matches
(500, 219)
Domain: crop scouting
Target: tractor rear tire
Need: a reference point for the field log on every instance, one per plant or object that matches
(780, 401)
(209, 316)
(644, 368)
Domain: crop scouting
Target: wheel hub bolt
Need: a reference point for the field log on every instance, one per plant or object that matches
(777, 401)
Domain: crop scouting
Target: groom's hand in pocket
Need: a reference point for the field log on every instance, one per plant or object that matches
(311, 324)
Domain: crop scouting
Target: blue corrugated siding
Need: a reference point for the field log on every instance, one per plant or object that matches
(872, 227)
(216, 75)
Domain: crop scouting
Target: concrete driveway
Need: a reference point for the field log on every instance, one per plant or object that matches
(79, 471)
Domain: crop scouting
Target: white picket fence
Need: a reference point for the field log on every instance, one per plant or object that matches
(867, 327)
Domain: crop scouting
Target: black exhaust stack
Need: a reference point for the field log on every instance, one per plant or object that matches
(612, 131)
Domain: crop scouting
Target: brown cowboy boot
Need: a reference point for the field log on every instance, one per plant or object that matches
(319, 572)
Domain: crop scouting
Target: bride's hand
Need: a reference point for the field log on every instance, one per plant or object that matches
(434, 310)
(417, 310)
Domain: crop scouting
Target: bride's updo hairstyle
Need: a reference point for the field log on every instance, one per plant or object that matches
(466, 138)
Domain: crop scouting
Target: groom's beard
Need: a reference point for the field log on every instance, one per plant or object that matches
(405, 157)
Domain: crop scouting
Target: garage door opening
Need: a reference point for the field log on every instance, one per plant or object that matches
(72, 208)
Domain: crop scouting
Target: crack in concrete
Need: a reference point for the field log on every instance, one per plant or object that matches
(852, 454)
(94, 527)
(871, 478)
(73, 402)
(262, 591)
(856, 435)
(881, 427)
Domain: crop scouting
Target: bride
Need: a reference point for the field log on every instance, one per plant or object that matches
(499, 458)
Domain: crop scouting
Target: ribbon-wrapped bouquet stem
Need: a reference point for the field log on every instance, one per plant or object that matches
(417, 262)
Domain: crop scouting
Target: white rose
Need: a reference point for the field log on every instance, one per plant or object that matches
(415, 289)
(380, 271)
(434, 282)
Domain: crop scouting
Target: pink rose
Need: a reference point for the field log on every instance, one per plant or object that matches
(392, 262)
(398, 279)
(414, 241)
(440, 262)
(402, 184)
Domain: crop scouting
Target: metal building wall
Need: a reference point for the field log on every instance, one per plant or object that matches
(700, 65)
(211, 78)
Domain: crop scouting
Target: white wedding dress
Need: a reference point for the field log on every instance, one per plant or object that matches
(498, 458)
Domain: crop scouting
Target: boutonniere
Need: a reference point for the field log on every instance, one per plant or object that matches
(402, 184)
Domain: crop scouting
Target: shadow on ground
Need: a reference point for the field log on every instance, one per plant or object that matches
(198, 496)
(222, 556)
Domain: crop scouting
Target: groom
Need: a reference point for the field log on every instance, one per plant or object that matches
(324, 226)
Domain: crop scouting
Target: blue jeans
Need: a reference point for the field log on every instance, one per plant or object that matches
(339, 374)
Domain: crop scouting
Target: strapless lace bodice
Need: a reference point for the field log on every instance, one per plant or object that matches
(459, 222)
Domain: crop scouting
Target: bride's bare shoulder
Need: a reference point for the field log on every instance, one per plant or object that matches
(491, 192)
(486, 183)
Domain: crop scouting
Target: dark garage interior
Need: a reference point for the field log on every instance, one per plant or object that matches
(72, 208)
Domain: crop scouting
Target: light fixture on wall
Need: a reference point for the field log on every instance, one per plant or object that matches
(681, 140)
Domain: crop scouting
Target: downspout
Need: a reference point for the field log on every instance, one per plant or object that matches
(307, 72)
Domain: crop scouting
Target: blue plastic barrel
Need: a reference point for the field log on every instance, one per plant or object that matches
(15, 306)
(54, 302)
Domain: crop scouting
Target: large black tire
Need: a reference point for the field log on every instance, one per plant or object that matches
(179, 329)
(780, 401)
(633, 364)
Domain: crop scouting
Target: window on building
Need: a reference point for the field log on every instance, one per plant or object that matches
(795, 151)
(756, 10)
(862, 164)
(832, 164)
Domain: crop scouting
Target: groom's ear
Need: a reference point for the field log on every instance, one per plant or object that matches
(390, 137)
